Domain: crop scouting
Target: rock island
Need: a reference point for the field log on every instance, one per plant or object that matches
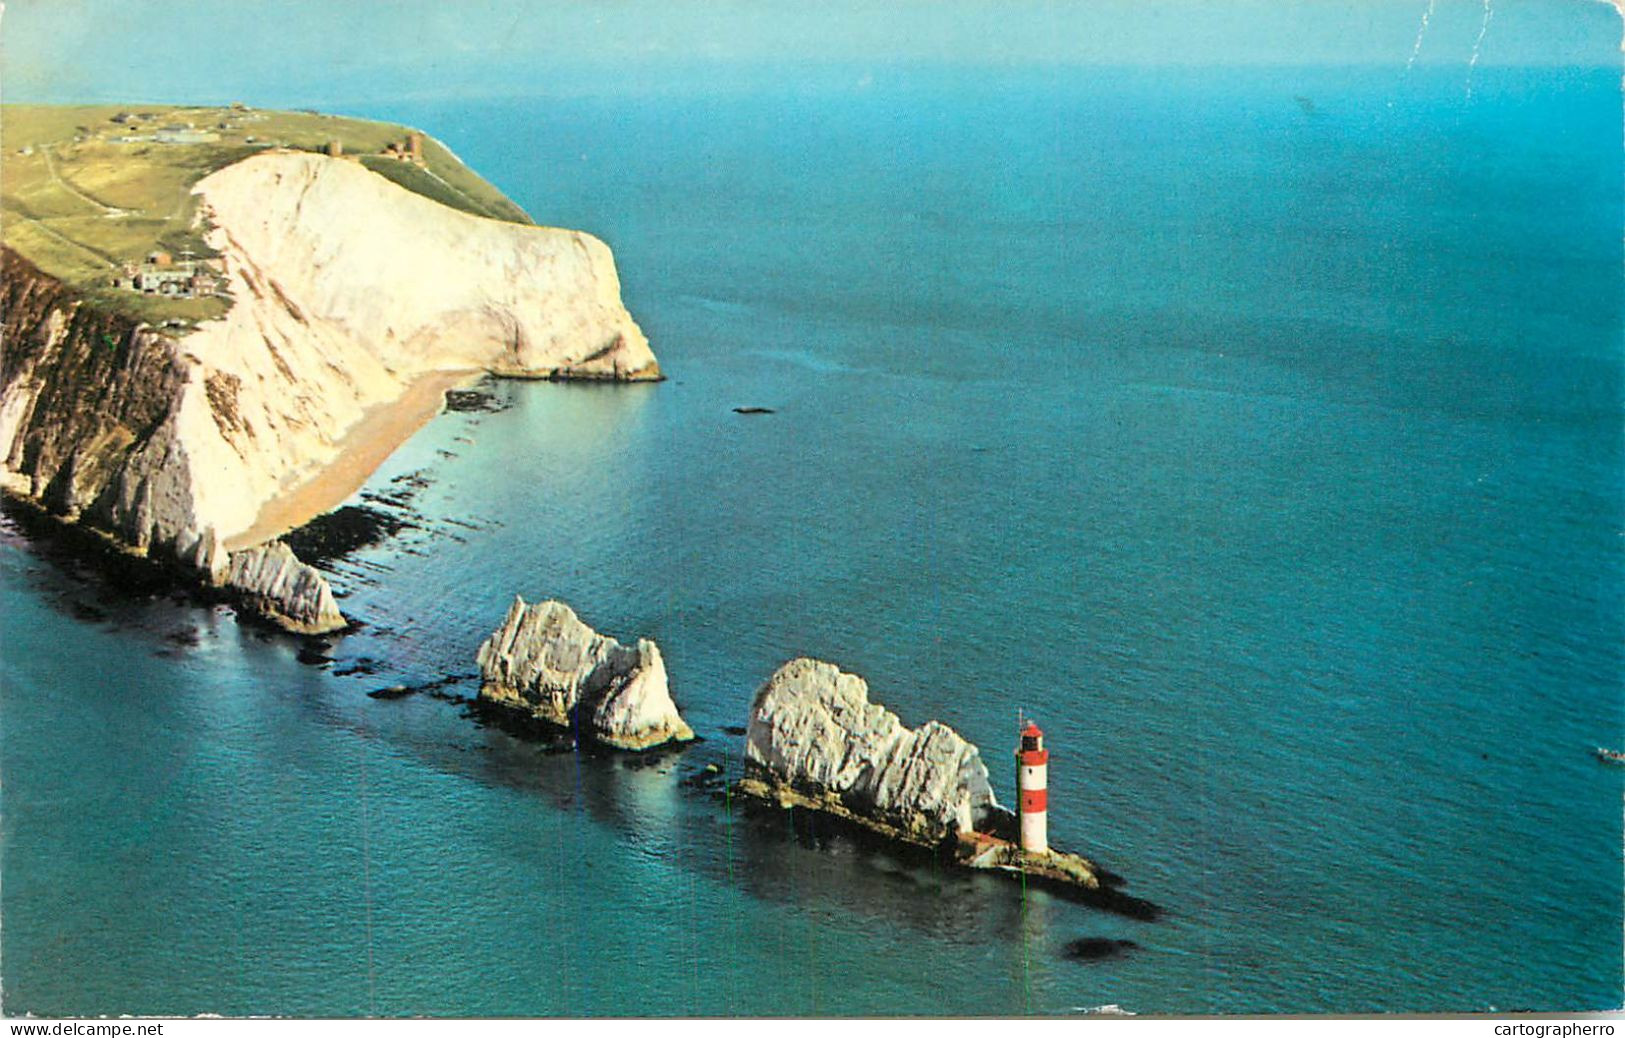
(815, 741)
(546, 665)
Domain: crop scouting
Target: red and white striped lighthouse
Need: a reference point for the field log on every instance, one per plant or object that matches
(1032, 789)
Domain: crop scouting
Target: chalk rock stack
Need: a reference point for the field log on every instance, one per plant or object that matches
(813, 733)
(547, 664)
(272, 581)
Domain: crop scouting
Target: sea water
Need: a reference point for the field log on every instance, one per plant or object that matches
(1257, 432)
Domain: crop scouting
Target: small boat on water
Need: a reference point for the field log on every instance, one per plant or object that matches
(1610, 756)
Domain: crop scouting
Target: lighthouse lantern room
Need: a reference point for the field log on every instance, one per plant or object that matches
(1032, 788)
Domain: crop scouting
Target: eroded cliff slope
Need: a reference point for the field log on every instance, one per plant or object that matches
(347, 290)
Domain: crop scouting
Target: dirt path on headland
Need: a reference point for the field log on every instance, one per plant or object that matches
(363, 449)
(68, 186)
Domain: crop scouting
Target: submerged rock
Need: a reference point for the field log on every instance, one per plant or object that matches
(1089, 949)
(814, 737)
(271, 581)
(545, 662)
(350, 528)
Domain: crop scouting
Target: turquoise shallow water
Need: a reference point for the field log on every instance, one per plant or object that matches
(1257, 432)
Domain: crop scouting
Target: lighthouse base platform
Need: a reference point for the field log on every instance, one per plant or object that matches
(1066, 875)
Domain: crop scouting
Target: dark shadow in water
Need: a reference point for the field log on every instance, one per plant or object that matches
(114, 578)
(1093, 949)
(673, 797)
(333, 535)
(815, 829)
(438, 689)
(680, 797)
(474, 401)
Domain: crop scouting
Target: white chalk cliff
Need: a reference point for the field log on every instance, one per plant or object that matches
(814, 732)
(546, 664)
(347, 290)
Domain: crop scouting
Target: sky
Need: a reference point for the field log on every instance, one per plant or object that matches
(314, 52)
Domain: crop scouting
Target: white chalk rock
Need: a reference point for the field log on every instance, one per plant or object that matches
(813, 729)
(545, 662)
(272, 581)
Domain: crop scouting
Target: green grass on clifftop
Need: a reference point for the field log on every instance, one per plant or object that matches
(84, 189)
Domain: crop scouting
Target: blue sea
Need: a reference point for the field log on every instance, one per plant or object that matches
(1258, 431)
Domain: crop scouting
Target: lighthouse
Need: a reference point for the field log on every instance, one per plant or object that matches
(1032, 789)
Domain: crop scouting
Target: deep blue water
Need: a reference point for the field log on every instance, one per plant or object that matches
(1258, 432)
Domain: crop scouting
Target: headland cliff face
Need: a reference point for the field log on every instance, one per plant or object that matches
(347, 290)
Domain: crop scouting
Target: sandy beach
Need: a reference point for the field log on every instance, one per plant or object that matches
(381, 430)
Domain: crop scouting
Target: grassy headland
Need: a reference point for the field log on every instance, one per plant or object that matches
(84, 189)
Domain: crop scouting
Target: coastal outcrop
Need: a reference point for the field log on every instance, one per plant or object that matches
(347, 292)
(816, 742)
(548, 665)
(815, 737)
(272, 581)
(91, 410)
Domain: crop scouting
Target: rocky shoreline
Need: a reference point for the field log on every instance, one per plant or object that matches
(352, 301)
(276, 590)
